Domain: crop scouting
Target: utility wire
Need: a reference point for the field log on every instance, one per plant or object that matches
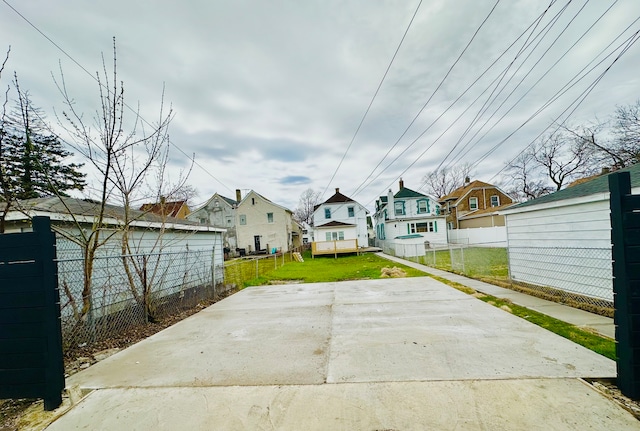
(98, 81)
(469, 146)
(460, 96)
(358, 189)
(629, 42)
(627, 45)
(372, 99)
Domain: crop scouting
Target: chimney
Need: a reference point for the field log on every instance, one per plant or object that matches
(391, 210)
(238, 195)
(467, 180)
(605, 171)
(337, 190)
(401, 184)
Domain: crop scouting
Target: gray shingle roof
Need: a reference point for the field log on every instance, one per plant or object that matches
(599, 184)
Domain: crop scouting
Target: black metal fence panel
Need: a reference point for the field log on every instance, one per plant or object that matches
(625, 236)
(31, 364)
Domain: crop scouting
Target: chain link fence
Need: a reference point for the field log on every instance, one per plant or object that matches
(126, 290)
(131, 289)
(580, 277)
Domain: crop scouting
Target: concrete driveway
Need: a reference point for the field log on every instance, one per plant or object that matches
(393, 354)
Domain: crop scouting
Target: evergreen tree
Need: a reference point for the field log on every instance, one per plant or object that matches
(33, 160)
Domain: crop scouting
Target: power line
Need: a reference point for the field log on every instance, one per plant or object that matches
(98, 81)
(356, 191)
(373, 98)
(468, 146)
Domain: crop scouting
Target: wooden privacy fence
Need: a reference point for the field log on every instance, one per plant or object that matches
(625, 237)
(31, 363)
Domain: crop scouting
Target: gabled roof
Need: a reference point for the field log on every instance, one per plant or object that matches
(408, 193)
(245, 199)
(85, 211)
(230, 202)
(335, 224)
(462, 191)
(338, 198)
(171, 209)
(596, 185)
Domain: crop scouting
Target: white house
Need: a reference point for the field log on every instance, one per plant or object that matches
(340, 218)
(563, 240)
(409, 221)
(219, 211)
(264, 226)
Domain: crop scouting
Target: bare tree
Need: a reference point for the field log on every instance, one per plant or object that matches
(525, 181)
(5, 183)
(626, 131)
(124, 161)
(304, 212)
(443, 181)
(563, 157)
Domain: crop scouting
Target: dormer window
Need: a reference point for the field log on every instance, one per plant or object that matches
(495, 201)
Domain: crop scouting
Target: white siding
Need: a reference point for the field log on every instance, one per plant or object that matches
(483, 236)
(340, 213)
(567, 247)
(275, 234)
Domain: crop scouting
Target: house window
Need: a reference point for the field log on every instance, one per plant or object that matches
(382, 234)
(473, 203)
(341, 235)
(399, 208)
(423, 207)
(328, 236)
(495, 201)
(430, 226)
(386, 216)
(334, 236)
(450, 225)
(229, 220)
(327, 213)
(269, 217)
(351, 211)
(243, 219)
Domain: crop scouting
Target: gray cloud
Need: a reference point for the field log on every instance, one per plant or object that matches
(270, 94)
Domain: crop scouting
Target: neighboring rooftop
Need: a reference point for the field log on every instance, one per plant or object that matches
(599, 184)
(163, 208)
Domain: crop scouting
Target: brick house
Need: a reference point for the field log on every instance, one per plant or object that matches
(473, 197)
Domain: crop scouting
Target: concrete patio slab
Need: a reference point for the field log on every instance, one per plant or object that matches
(543, 404)
(408, 353)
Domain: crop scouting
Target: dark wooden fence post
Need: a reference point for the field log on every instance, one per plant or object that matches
(625, 239)
(31, 363)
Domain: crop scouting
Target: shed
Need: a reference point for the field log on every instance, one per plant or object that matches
(563, 240)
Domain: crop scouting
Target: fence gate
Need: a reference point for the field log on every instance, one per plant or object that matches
(625, 237)
(30, 335)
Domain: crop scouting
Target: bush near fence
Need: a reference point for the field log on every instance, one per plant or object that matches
(580, 278)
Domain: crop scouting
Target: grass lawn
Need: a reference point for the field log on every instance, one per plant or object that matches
(328, 268)
(486, 262)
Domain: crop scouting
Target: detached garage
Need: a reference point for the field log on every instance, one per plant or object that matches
(563, 240)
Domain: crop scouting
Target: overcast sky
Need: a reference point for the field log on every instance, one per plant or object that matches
(269, 94)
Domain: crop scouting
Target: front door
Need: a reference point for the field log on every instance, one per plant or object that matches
(256, 242)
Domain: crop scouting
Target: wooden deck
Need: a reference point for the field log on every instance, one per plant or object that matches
(334, 247)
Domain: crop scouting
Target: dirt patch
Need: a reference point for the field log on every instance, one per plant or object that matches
(15, 413)
(611, 391)
(394, 272)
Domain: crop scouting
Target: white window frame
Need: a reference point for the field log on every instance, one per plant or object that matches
(473, 200)
(398, 205)
(351, 211)
(327, 213)
(243, 219)
(497, 198)
(269, 217)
